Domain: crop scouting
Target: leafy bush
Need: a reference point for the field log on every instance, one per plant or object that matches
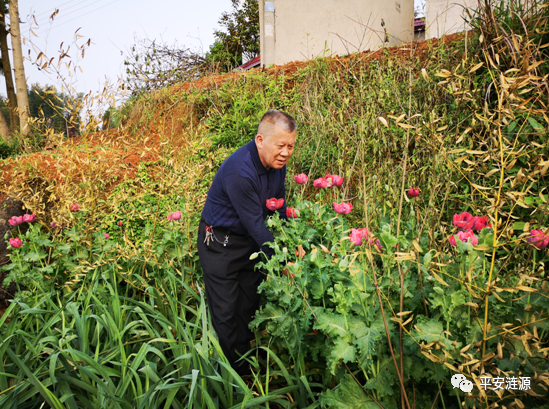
(9, 147)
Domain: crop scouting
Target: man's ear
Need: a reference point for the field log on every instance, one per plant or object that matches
(259, 139)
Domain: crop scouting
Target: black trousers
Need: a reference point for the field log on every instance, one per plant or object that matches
(231, 291)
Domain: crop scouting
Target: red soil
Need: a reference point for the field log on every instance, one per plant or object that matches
(121, 154)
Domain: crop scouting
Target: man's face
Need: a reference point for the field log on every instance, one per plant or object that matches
(275, 150)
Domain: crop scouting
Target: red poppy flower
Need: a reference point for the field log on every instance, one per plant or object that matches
(413, 192)
(274, 204)
(292, 213)
(463, 221)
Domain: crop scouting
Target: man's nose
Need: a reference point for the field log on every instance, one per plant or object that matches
(285, 152)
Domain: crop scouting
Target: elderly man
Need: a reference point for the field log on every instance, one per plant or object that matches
(233, 227)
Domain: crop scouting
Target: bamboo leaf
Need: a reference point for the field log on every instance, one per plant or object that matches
(383, 121)
(476, 67)
(440, 280)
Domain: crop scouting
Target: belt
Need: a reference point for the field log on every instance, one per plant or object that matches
(224, 230)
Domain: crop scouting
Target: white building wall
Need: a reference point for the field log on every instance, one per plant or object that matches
(305, 29)
(444, 17)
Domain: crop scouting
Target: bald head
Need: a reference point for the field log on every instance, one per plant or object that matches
(273, 119)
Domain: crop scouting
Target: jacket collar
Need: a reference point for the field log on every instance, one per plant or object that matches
(252, 148)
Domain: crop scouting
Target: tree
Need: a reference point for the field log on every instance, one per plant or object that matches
(220, 57)
(54, 110)
(20, 79)
(154, 65)
(49, 109)
(4, 128)
(239, 36)
(6, 70)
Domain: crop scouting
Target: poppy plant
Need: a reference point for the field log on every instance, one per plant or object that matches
(274, 204)
(54, 225)
(480, 223)
(29, 218)
(343, 208)
(16, 242)
(538, 239)
(337, 180)
(292, 213)
(174, 216)
(463, 221)
(464, 236)
(378, 245)
(106, 235)
(321, 183)
(333, 180)
(74, 208)
(301, 178)
(120, 224)
(356, 237)
(15, 221)
(413, 192)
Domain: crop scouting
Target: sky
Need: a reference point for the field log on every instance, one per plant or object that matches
(112, 26)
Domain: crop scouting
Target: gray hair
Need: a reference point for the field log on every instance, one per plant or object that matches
(274, 117)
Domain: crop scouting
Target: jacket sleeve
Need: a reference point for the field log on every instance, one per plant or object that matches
(245, 199)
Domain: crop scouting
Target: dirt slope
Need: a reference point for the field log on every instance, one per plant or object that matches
(119, 154)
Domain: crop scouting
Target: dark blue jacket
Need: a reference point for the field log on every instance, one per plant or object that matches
(239, 192)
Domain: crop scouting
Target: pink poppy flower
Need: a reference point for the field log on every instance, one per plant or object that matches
(343, 208)
(16, 242)
(301, 178)
(321, 183)
(538, 239)
(274, 204)
(333, 180)
(174, 216)
(54, 225)
(413, 192)
(464, 236)
(29, 218)
(480, 223)
(378, 245)
(74, 208)
(463, 221)
(15, 221)
(106, 235)
(356, 237)
(359, 236)
(468, 236)
(120, 224)
(337, 180)
(292, 213)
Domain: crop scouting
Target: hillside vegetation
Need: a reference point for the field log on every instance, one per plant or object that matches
(111, 310)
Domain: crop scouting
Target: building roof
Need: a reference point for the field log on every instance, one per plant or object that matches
(256, 62)
(419, 24)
